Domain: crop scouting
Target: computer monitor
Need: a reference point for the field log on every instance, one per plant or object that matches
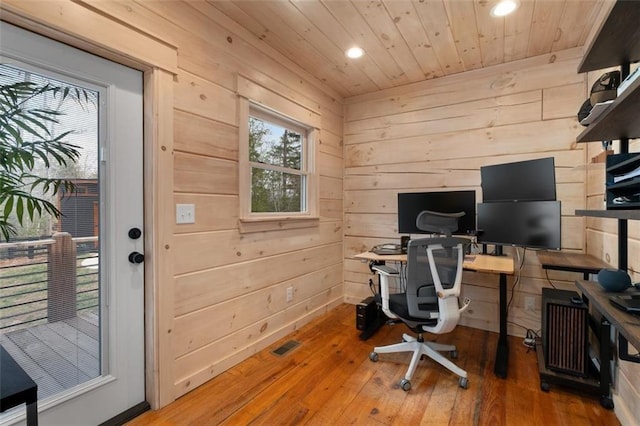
(532, 180)
(533, 224)
(410, 204)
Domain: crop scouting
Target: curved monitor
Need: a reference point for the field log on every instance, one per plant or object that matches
(410, 204)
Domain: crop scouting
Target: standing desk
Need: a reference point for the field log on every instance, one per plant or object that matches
(501, 265)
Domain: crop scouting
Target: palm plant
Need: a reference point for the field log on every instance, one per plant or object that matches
(25, 140)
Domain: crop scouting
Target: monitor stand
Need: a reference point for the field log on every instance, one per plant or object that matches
(496, 252)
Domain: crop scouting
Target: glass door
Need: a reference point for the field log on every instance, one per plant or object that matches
(71, 279)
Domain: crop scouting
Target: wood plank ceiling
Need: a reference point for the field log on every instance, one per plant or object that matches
(406, 41)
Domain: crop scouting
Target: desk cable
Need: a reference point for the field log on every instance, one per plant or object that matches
(531, 335)
(546, 272)
(517, 280)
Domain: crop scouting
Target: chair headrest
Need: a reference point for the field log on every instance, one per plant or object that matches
(442, 223)
(445, 242)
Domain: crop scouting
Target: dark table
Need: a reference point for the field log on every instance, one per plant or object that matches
(16, 387)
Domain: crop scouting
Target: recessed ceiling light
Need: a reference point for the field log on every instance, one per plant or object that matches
(354, 52)
(504, 8)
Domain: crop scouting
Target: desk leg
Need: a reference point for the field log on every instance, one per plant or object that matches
(32, 414)
(502, 352)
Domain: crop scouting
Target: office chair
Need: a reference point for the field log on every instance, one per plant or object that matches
(430, 302)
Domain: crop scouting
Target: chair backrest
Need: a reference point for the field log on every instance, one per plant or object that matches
(434, 277)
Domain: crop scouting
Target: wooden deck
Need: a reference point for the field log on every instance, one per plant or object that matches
(58, 355)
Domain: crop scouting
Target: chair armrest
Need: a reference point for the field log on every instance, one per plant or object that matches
(454, 291)
(385, 270)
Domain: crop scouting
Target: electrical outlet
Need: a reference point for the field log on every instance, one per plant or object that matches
(289, 294)
(529, 303)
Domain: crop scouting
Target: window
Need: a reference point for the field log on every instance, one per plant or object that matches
(278, 179)
(279, 163)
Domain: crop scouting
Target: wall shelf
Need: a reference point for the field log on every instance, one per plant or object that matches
(616, 43)
(618, 39)
(620, 120)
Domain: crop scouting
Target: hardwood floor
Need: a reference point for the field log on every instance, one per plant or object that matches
(328, 379)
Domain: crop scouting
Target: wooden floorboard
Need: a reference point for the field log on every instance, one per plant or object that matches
(329, 380)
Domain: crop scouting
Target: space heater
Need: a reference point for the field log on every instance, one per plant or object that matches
(565, 332)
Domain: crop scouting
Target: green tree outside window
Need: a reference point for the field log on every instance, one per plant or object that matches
(277, 175)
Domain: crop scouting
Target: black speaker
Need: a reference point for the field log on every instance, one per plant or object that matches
(565, 334)
(614, 280)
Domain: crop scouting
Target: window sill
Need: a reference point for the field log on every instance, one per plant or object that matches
(279, 223)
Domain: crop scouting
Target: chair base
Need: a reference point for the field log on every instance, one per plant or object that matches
(430, 349)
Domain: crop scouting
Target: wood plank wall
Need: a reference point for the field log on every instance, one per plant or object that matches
(229, 287)
(435, 136)
(228, 292)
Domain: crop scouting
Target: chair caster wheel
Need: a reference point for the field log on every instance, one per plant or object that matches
(454, 354)
(373, 356)
(405, 384)
(544, 386)
(463, 382)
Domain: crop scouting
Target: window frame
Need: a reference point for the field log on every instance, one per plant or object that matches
(267, 116)
(280, 111)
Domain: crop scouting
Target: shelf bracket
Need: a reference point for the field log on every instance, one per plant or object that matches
(623, 350)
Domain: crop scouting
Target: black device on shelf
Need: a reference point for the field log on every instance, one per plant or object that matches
(411, 204)
(627, 302)
(534, 224)
(623, 181)
(531, 180)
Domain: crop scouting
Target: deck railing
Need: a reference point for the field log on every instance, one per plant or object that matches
(47, 280)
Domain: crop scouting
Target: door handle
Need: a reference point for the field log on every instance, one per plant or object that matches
(135, 257)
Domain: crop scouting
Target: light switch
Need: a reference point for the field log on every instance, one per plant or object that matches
(185, 213)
